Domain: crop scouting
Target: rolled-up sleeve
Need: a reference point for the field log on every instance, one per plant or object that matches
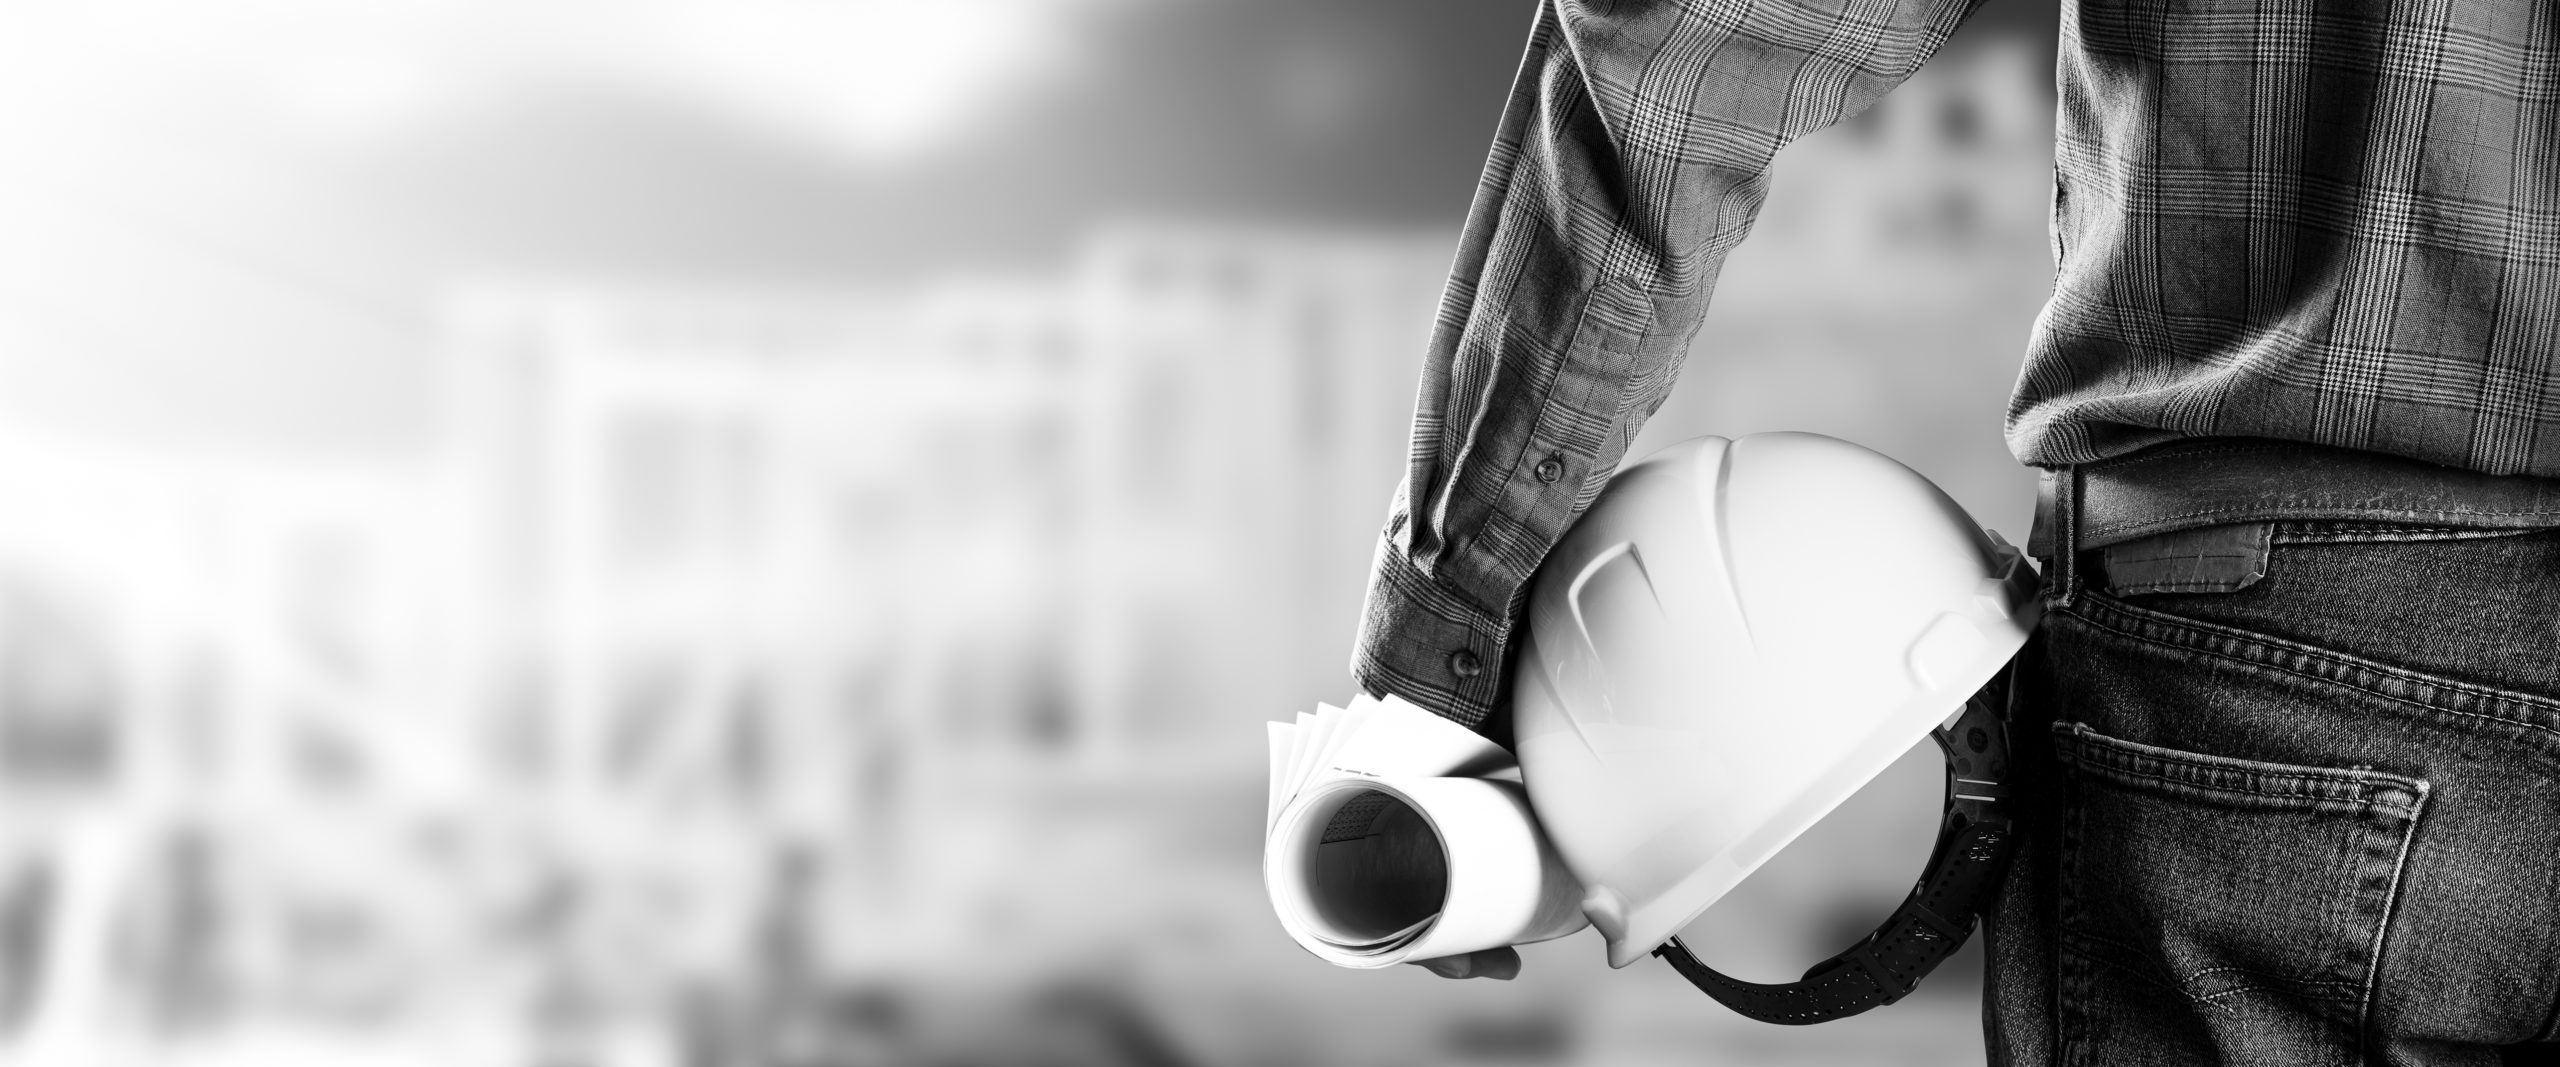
(1632, 156)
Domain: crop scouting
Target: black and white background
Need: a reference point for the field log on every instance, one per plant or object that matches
(553, 532)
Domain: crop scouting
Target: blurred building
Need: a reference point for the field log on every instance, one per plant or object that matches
(1067, 521)
(698, 571)
(748, 673)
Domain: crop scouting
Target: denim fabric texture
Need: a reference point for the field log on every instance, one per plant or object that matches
(2311, 820)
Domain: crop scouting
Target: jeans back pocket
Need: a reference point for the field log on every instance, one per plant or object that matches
(2213, 906)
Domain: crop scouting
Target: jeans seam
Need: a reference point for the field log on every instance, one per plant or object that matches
(2165, 780)
(2359, 996)
(2152, 521)
(2365, 784)
(2208, 585)
(2382, 928)
(2340, 659)
(2396, 534)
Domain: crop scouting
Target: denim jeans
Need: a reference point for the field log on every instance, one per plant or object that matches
(2314, 819)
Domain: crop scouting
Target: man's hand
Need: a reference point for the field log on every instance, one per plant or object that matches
(1496, 963)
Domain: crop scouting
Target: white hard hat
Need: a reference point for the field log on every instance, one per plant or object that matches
(1736, 637)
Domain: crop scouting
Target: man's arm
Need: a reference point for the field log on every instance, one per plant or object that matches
(1632, 156)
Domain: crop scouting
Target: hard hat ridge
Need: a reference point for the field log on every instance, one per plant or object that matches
(1736, 637)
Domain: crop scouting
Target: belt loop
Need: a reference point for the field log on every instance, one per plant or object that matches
(2056, 536)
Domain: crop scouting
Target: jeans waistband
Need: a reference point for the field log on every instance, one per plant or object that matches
(2215, 481)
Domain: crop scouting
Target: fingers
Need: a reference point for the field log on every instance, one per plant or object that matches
(1502, 964)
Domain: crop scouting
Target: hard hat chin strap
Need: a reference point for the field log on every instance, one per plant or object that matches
(1965, 867)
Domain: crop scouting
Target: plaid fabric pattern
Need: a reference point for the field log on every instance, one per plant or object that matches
(2326, 222)
(2334, 221)
(1633, 154)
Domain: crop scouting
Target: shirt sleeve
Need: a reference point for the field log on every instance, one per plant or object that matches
(1633, 154)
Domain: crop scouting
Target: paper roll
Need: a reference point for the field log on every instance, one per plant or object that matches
(1375, 871)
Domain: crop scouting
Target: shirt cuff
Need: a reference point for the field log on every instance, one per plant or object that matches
(1428, 644)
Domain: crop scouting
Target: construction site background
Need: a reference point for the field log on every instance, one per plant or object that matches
(763, 533)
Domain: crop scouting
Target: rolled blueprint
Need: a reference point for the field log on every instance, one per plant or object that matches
(1395, 835)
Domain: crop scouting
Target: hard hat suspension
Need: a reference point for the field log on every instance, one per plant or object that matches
(1964, 869)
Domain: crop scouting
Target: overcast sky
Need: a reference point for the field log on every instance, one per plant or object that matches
(217, 195)
(774, 135)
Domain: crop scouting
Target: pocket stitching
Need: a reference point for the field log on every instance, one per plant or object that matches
(2339, 659)
(2390, 905)
(2086, 749)
(2366, 784)
(2363, 799)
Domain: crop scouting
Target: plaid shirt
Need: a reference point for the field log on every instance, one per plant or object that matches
(2299, 219)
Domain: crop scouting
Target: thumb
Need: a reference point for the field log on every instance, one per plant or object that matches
(1496, 963)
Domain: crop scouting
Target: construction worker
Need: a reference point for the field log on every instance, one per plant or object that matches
(2291, 792)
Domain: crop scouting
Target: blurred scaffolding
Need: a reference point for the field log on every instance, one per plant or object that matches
(746, 673)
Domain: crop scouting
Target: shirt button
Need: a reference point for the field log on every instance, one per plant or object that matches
(1464, 664)
(1550, 469)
